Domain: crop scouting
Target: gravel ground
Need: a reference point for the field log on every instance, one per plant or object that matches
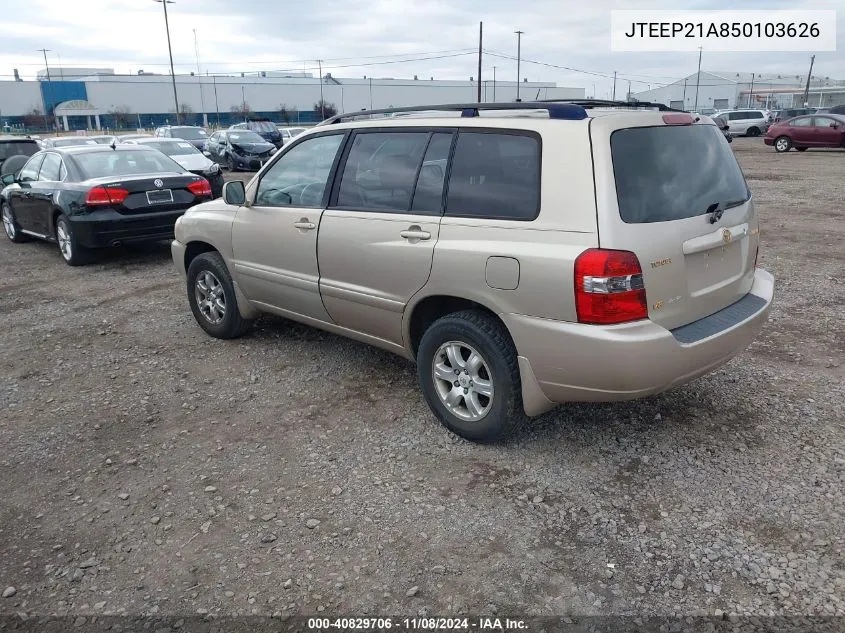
(148, 469)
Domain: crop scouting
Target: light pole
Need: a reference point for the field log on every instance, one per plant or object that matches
(322, 103)
(164, 4)
(494, 84)
(50, 88)
(697, 80)
(518, 59)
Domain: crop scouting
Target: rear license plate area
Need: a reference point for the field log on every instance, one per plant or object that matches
(160, 196)
(713, 268)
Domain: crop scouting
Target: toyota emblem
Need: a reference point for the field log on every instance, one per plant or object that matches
(158, 182)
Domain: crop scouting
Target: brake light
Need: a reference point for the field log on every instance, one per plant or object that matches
(102, 196)
(678, 118)
(609, 287)
(200, 188)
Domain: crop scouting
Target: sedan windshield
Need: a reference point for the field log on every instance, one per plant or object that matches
(125, 163)
(68, 142)
(245, 137)
(174, 148)
(189, 133)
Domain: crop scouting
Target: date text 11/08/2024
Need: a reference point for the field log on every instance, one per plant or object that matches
(417, 624)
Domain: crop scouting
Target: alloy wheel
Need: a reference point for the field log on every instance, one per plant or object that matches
(463, 380)
(210, 297)
(64, 239)
(9, 222)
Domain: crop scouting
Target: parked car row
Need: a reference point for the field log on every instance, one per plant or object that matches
(804, 132)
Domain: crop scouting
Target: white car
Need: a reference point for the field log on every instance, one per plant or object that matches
(746, 122)
(289, 133)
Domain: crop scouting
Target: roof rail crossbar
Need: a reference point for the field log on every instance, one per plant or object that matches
(609, 103)
(570, 111)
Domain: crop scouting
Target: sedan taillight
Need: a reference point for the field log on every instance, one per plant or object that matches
(609, 287)
(200, 188)
(103, 196)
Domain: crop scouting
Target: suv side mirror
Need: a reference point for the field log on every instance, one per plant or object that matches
(234, 193)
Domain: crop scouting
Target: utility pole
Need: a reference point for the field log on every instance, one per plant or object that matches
(684, 98)
(480, 36)
(371, 93)
(751, 91)
(807, 87)
(216, 103)
(494, 84)
(50, 88)
(322, 102)
(697, 80)
(518, 60)
(164, 4)
(613, 98)
(629, 91)
(199, 75)
(243, 101)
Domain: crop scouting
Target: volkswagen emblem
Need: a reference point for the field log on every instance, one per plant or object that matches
(726, 236)
(158, 182)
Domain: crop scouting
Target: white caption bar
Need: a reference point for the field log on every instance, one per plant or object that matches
(727, 31)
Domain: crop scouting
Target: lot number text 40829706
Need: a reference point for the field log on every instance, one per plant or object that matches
(417, 624)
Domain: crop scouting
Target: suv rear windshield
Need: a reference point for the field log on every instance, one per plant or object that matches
(17, 148)
(262, 126)
(674, 172)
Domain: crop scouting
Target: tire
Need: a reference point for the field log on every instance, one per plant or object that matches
(482, 418)
(70, 249)
(800, 149)
(752, 131)
(230, 164)
(10, 225)
(782, 144)
(211, 295)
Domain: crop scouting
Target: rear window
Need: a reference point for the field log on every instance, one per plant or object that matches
(262, 127)
(670, 173)
(188, 133)
(125, 163)
(174, 148)
(17, 148)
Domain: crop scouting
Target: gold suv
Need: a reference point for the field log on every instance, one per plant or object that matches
(522, 254)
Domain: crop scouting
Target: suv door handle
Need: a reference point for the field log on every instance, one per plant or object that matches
(415, 233)
(305, 225)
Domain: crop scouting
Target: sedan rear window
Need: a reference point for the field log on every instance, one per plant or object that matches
(670, 173)
(125, 163)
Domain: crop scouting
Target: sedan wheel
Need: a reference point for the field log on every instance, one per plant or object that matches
(783, 144)
(230, 163)
(72, 251)
(10, 225)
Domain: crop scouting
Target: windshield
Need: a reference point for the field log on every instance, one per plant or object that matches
(17, 148)
(245, 137)
(174, 148)
(189, 133)
(262, 126)
(674, 172)
(125, 163)
(68, 142)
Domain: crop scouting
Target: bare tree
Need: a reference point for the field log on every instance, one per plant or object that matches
(284, 114)
(325, 110)
(34, 118)
(121, 116)
(241, 110)
(185, 108)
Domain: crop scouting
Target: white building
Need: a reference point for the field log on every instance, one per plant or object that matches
(148, 99)
(724, 89)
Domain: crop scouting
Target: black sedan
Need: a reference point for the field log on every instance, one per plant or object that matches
(239, 149)
(97, 196)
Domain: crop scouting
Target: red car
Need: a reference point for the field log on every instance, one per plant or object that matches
(804, 132)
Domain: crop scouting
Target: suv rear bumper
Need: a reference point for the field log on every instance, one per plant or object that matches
(573, 362)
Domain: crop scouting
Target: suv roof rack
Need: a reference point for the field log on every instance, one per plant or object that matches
(557, 110)
(607, 103)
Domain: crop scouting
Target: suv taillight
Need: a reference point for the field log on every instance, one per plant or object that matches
(102, 196)
(609, 287)
(200, 188)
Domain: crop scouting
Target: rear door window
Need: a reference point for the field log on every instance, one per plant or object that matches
(802, 122)
(51, 168)
(495, 175)
(428, 194)
(670, 173)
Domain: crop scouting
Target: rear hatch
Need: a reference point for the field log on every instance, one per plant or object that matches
(674, 195)
(151, 193)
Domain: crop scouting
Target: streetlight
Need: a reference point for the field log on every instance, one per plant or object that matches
(164, 4)
(518, 59)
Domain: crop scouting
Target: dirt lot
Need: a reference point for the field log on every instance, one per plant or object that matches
(149, 469)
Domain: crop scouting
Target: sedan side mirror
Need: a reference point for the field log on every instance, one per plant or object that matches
(234, 193)
(8, 179)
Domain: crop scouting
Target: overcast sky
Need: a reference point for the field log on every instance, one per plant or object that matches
(357, 38)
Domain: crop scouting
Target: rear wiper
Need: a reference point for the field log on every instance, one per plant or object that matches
(719, 212)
